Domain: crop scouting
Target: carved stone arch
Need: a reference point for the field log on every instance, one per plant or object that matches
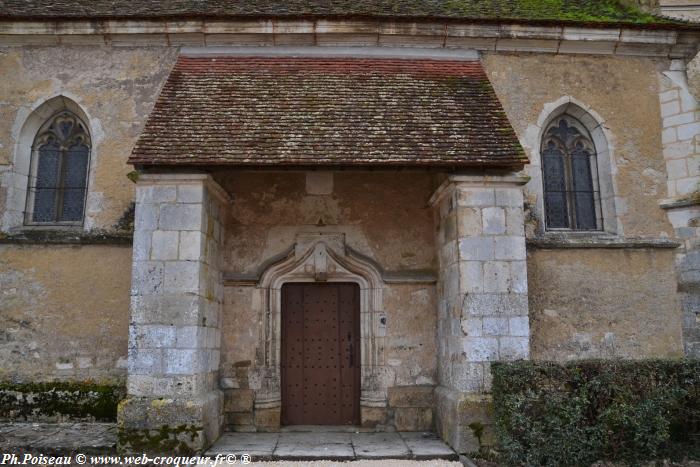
(26, 128)
(603, 141)
(322, 258)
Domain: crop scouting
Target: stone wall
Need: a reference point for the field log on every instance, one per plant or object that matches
(115, 87)
(630, 114)
(593, 303)
(64, 312)
(688, 10)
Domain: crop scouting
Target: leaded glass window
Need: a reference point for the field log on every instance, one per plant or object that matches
(58, 181)
(571, 195)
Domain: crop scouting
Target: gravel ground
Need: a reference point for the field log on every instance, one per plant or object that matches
(368, 463)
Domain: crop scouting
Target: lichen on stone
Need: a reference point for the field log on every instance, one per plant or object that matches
(166, 439)
(59, 401)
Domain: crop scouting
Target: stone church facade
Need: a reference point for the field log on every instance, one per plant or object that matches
(256, 216)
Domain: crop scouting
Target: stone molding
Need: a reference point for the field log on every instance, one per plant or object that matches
(593, 241)
(15, 176)
(66, 237)
(476, 181)
(187, 179)
(674, 43)
(314, 258)
(389, 277)
(606, 167)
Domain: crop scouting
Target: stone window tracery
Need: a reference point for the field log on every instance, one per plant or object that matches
(59, 171)
(570, 175)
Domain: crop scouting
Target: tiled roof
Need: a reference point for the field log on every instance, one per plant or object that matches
(575, 11)
(335, 111)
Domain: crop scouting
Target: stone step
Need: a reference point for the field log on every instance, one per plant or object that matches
(333, 445)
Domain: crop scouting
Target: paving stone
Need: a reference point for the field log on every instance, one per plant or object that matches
(427, 446)
(58, 438)
(310, 446)
(258, 445)
(379, 446)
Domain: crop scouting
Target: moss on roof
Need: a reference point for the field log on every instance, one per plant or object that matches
(537, 11)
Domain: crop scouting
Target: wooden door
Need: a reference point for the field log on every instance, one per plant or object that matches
(320, 354)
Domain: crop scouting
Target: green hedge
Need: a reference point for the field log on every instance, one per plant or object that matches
(587, 411)
(59, 400)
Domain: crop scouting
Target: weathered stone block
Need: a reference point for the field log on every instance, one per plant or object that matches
(190, 246)
(518, 277)
(480, 349)
(413, 419)
(239, 420)
(147, 278)
(145, 361)
(239, 400)
(475, 413)
(496, 277)
(469, 221)
(476, 248)
(476, 197)
(467, 376)
(190, 193)
(190, 337)
(141, 247)
(514, 348)
(471, 276)
(181, 277)
(146, 217)
(519, 326)
(411, 396)
(472, 327)
(496, 326)
(178, 310)
(509, 197)
(509, 248)
(181, 217)
(152, 336)
(163, 193)
(267, 419)
(515, 222)
(372, 416)
(182, 361)
(488, 304)
(164, 245)
(494, 220)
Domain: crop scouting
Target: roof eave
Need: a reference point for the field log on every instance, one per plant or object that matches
(663, 24)
(512, 165)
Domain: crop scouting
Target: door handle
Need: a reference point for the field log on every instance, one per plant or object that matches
(351, 350)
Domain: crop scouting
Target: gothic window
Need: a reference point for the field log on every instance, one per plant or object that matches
(571, 195)
(59, 170)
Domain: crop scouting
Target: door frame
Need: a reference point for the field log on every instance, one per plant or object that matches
(322, 258)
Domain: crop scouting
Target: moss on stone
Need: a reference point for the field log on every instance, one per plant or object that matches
(573, 11)
(72, 400)
(166, 439)
(580, 11)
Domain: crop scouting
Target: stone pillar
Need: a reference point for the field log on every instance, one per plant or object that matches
(483, 307)
(173, 401)
(680, 112)
(685, 218)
